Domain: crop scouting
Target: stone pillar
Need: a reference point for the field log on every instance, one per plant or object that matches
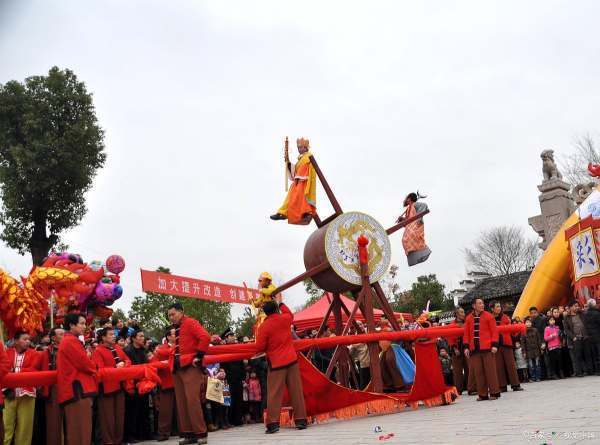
(556, 204)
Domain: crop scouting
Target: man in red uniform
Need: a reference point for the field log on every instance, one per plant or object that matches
(20, 403)
(4, 368)
(54, 417)
(274, 336)
(189, 376)
(480, 342)
(76, 382)
(166, 403)
(505, 357)
(111, 399)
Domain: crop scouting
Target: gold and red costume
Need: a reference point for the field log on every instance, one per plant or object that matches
(301, 199)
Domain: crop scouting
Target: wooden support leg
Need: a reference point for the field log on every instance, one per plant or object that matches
(385, 306)
(367, 310)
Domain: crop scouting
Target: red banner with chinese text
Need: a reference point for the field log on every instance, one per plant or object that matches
(164, 283)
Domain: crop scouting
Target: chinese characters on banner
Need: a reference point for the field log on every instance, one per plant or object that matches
(163, 283)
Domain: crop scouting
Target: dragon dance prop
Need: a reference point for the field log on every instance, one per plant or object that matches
(324, 399)
(73, 284)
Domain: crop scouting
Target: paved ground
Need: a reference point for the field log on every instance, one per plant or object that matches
(554, 412)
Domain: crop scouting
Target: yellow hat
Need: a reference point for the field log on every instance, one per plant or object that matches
(266, 275)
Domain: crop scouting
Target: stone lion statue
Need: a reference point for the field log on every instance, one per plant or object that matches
(549, 168)
(581, 191)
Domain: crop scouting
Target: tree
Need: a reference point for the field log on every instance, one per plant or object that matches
(314, 292)
(574, 165)
(150, 310)
(501, 251)
(426, 288)
(51, 147)
(118, 314)
(244, 325)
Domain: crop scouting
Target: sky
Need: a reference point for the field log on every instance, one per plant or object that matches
(455, 99)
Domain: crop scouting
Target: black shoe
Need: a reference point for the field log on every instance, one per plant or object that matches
(161, 438)
(188, 441)
(277, 217)
(504, 389)
(272, 428)
(472, 393)
(494, 396)
(300, 424)
(517, 388)
(482, 398)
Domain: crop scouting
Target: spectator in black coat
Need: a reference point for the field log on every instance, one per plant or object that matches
(591, 320)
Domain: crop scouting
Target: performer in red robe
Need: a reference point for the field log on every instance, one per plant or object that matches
(76, 382)
(4, 368)
(480, 342)
(166, 403)
(111, 398)
(505, 357)
(189, 378)
(274, 336)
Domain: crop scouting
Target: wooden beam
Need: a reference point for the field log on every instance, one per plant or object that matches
(367, 310)
(385, 306)
(334, 202)
(317, 220)
(309, 273)
(406, 222)
(329, 219)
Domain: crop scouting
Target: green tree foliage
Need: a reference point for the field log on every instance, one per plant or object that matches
(118, 314)
(426, 288)
(150, 310)
(314, 292)
(51, 147)
(243, 325)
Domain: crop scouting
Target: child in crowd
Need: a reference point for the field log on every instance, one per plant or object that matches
(255, 398)
(446, 362)
(521, 363)
(552, 335)
(532, 348)
(221, 411)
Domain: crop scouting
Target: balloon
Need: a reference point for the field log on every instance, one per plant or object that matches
(117, 291)
(115, 264)
(95, 265)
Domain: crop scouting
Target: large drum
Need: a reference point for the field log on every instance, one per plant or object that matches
(336, 244)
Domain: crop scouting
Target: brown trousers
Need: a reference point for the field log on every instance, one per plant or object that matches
(484, 370)
(111, 414)
(277, 380)
(190, 383)
(460, 371)
(54, 420)
(506, 366)
(78, 422)
(166, 406)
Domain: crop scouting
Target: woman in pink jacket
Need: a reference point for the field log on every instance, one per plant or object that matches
(552, 336)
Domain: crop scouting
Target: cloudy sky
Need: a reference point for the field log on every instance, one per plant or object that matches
(456, 99)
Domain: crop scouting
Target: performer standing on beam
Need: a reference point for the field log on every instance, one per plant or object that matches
(301, 201)
(480, 341)
(413, 239)
(189, 378)
(274, 336)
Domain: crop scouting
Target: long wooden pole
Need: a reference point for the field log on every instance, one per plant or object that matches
(406, 222)
(334, 202)
(309, 273)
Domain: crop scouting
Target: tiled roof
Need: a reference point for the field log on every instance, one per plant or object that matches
(502, 286)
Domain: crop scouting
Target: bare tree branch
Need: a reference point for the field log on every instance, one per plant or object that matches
(574, 165)
(502, 250)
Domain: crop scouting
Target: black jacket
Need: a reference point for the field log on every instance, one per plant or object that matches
(591, 319)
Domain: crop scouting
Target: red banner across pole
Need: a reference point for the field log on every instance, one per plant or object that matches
(164, 283)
